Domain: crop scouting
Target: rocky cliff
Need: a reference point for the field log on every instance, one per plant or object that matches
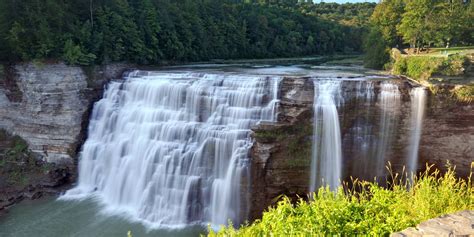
(448, 132)
(48, 105)
(281, 154)
(44, 114)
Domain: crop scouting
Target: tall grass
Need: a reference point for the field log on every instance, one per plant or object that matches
(365, 208)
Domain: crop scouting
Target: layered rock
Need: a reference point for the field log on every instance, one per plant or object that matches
(44, 114)
(281, 154)
(48, 105)
(448, 133)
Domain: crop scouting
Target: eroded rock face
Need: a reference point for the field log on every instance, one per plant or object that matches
(48, 105)
(281, 154)
(448, 133)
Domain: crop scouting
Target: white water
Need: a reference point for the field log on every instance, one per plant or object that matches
(418, 103)
(389, 102)
(326, 162)
(171, 149)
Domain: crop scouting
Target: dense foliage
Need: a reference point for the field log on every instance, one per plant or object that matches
(423, 67)
(418, 23)
(351, 14)
(151, 31)
(372, 210)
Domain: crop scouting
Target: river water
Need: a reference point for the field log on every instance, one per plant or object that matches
(49, 217)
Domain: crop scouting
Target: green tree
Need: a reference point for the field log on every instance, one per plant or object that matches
(413, 25)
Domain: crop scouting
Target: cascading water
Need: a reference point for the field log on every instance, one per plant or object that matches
(171, 149)
(360, 140)
(369, 139)
(389, 102)
(418, 103)
(326, 155)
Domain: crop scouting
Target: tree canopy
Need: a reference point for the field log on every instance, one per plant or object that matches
(151, 31)
(418, 23)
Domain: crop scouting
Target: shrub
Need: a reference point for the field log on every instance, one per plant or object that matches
(423, 67)
(453, 66)
(364, 209)
(464, 93)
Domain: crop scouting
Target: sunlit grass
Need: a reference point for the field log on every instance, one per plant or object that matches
(365, 208)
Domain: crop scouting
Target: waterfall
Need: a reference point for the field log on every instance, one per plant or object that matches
(360, 139)
(418, 103)
(272, 108)
(171, 149)
(326, 155)
(389, 102)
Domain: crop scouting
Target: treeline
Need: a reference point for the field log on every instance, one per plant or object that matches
(416, 24)
(151, 31)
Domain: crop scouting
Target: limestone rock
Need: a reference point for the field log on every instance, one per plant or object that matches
(48, 105)
(456, 224)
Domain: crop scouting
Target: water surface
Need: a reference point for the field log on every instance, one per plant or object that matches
(52, 218)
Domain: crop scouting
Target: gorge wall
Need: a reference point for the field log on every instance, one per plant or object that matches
(44, 113)
(48, 105)
(281, 155)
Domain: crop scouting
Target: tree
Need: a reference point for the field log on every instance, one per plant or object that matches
(386, 17)
(413, 25)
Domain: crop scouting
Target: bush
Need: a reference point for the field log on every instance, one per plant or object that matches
(74, 55)
(364, 209)
(464, 93)
(400, 66)
(423, 67)
(453, 66)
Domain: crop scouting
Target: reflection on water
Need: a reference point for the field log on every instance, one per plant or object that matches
(52, 218)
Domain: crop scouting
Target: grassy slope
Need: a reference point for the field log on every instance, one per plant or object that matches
(453, 67)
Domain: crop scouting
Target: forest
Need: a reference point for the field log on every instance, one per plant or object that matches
(155, 31)
(417, 24)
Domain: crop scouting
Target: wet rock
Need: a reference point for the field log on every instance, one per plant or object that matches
(281, 154)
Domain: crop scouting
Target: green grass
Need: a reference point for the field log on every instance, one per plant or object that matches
(453, 50)
(364, 209)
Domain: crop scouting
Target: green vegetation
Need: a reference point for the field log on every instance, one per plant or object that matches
(156, 31)
(464, 93)
(18, 167)
(417, 24)
(421, 68)
(365, 208)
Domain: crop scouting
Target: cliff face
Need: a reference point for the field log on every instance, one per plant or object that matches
(448, 133)
(44, 114)
(281, 154)
(48, 105)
